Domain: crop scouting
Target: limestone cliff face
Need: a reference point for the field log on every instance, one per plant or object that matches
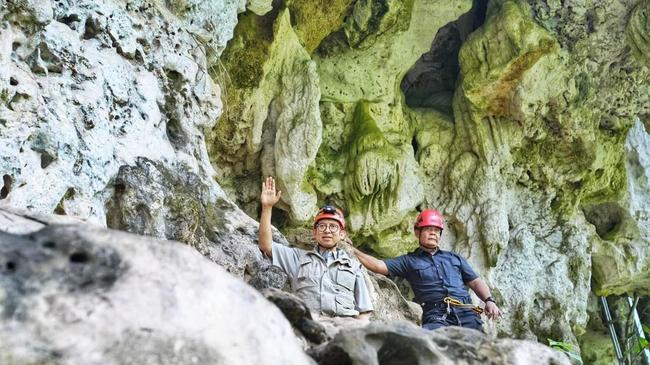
(522, 121)
(90, 86)
(103, 107)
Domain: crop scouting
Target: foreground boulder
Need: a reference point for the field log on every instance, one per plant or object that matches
(404, 343)
(77, 294)
(83, 295)
(298, 314)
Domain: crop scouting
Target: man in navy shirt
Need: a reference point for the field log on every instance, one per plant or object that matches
(434, 275)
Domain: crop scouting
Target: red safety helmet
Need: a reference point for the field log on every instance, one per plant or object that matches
(429, 218)
(330, 212)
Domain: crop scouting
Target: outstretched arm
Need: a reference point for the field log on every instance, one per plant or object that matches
(268, 198)
(371, 263)
(492, 311)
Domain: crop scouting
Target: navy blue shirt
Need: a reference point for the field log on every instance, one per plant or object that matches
(434, 277)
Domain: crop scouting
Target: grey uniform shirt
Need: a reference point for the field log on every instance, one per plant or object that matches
(334, 286)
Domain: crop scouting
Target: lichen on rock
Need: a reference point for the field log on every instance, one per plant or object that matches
(522, 121)
(495, 57)
(377, 174)
(281, 125)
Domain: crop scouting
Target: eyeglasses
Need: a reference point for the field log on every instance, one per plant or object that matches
(323, 226)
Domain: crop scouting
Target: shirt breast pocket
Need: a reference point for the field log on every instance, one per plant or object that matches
(424, 271)
(345, 277)
(307, 274)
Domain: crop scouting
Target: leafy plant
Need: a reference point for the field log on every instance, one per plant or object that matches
(639, 346)
(636, 347)
(566, 348)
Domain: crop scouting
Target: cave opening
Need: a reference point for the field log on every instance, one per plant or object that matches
(431, 82)
(606, 218)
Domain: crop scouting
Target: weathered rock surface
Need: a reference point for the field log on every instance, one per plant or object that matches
(102, 111)
(297, 313)
(622, 251)
(520, 121)
(523, 121)
(91, 86)
(273, 99)
(81, 295)
(381, 180)
(403, 343)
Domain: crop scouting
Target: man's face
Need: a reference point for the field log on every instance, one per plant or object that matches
(429, 237)
(327, 233)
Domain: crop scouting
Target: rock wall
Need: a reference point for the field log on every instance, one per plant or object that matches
(103, 107)
(103, 110)
(89, 87)
(520, 120)
(523, 121)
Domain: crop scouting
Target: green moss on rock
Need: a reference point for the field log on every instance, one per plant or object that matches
(241, 72)
(249, 50)
(314, 20)
(371, 19)
(638, 31)
(373, 169)
(495, 57)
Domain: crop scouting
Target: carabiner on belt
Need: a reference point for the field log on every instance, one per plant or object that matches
(457, 303)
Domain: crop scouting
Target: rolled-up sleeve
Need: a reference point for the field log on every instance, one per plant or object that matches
(362, 301)
(286, 258)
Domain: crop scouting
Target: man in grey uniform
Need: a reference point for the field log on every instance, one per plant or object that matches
(329, 281)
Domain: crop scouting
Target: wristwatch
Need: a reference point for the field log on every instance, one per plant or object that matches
(489, 299)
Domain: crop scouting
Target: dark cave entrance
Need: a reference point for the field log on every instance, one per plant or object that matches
(431, 82)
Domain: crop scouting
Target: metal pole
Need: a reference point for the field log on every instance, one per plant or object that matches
(607, 318)
(639, 329)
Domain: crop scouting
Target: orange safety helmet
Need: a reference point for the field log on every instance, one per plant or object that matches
(330, 212)
(429, 218)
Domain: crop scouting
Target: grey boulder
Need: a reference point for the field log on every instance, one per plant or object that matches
(402, 343)
(72, 294)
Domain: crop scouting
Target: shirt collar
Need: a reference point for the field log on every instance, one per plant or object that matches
(422, 252)
(338, 253)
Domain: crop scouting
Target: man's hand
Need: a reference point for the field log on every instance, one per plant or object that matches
(364, 318)
(269, 196)
(482, 291)
(492, 311)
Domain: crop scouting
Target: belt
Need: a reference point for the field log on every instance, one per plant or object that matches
(458, 304)
(437, 304)
(448, 303)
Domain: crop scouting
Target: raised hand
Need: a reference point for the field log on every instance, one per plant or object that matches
(269, 196)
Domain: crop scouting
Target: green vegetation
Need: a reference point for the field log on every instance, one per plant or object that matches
(567, 349)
